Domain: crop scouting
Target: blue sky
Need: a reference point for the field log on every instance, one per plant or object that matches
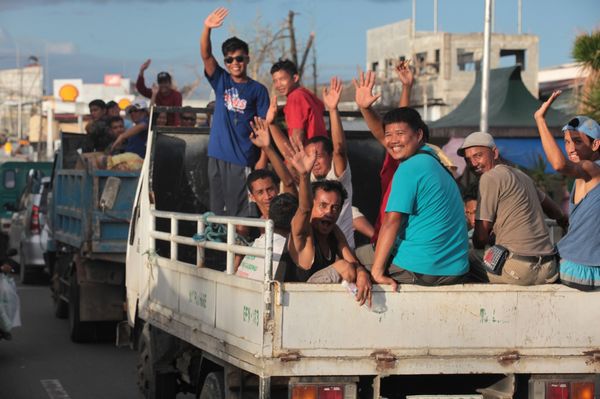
(88, 38)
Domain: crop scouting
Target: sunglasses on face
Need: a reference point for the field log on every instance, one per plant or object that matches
(238, 58)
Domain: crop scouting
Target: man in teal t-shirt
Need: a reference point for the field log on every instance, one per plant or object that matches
(424, 214)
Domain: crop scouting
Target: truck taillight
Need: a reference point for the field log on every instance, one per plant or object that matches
(34, 225)
(570, 390)
(557, 390)
(304, 392)
(331, 392)
(321, 391)
(582, 390)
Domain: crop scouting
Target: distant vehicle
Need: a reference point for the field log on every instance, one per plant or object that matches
(89, 215)
(26, 234)
(13, 178)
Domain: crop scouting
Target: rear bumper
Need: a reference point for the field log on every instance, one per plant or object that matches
(32, 251)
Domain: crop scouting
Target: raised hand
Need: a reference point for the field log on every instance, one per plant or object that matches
(364, 97)
(260, 136)
(145, 65)
(216, 18)
(405, 74)
(154, 90)
(541, 112)
(272, 111)
(331, 96)
(298, 158)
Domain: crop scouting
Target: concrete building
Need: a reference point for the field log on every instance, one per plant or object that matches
(19, 86)
(445, 63)
(570, 78)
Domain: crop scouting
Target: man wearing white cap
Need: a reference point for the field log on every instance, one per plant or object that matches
(510, 219)
(137, 135)
(580, 247)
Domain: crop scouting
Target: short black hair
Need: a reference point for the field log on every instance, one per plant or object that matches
(328, 186)
(282, 210)
(327, 143)
(111, 104)
(261, 174)
(233, 44)
(408, 115)
(97, 103)
(114, 119)
(285, 65)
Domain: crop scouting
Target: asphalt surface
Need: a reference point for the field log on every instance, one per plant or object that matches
(41, 362)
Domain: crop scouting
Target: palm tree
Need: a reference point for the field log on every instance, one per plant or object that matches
(586, 51)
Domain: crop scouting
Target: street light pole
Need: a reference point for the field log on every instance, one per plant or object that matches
(20, 95)
(485, 73)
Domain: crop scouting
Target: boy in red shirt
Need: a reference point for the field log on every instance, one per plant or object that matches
(303, 110)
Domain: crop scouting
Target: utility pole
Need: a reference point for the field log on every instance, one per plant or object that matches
(520, 17)
(311, 38)
(414, 18)
(485, 72)
(20, 100)
(435, 16)
(293, 49)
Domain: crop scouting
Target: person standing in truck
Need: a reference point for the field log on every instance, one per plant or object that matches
(303, 110)
(167, 96)
(580, 248)
(510, 219)
(231, 154)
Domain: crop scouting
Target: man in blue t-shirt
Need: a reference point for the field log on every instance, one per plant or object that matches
(424, 217)
(231, 154)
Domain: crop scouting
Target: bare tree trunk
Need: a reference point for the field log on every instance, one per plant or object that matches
(305, 55)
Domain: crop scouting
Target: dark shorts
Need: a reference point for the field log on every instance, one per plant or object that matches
(404, 276)
(228, 193)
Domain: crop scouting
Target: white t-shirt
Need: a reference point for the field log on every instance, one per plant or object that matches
(253, 267)
(345, 220)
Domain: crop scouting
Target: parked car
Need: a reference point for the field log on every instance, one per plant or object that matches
(26, 233)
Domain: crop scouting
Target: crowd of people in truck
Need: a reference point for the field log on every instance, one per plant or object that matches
(426, 232)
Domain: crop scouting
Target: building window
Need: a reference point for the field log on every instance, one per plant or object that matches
(374, 66)
(465, 60)
(512, 57)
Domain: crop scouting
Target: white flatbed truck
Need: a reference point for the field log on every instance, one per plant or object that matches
(211, 332)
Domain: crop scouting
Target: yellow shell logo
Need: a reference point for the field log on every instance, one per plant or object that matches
(124, 103)
(68, 93)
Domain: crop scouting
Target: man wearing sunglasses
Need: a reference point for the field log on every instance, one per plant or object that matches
(231, 154)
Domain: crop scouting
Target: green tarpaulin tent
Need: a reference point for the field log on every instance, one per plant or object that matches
(511, 109)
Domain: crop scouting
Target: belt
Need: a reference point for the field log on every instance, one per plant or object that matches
(534, 259)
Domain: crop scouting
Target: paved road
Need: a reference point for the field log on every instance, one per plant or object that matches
(42, 363)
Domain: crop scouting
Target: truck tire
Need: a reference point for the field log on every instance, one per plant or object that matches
(80, 331)
(59, 267)
(152, 383)
(214, 386)
(27, 275)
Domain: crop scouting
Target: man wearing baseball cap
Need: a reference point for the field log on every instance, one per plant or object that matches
(580, 248)
(135, 137)
(510, 219)
(167, 96)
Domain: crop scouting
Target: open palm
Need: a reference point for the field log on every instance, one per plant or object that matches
(364, 97)
(216, 18)
(541, 112)
(260, 136)
(331, 96)
(298, 158)
(404, 73)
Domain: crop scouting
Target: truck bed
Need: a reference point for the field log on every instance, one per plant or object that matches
(314, 329)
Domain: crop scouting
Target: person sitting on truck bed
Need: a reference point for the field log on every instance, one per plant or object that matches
(580, 247)
(239, 99)
(424, 217)
(281, 210)
(97, 112)
(317, 246)
(331, 155)
(136, 137)
(510, 206)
